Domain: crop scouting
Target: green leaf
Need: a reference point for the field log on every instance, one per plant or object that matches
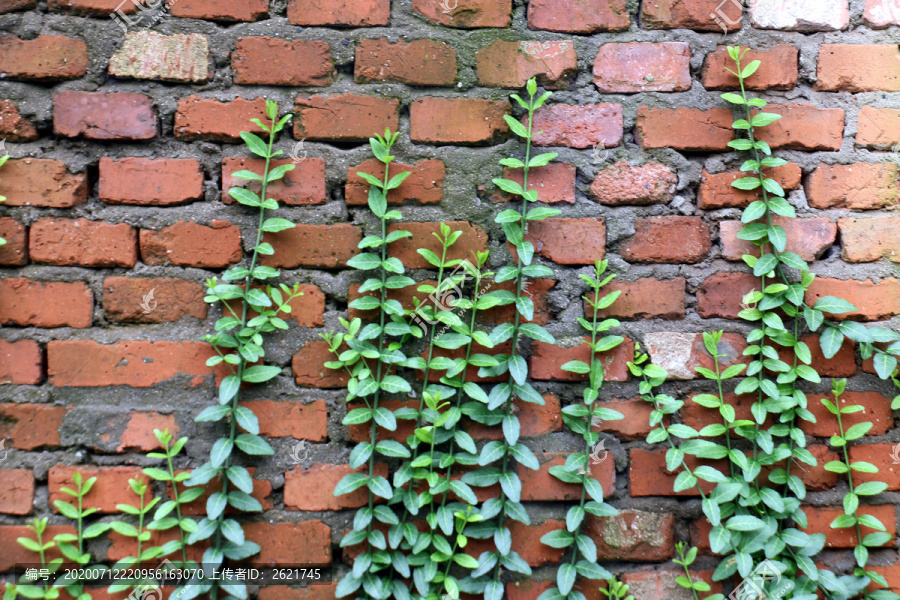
(275, 225)
(365, 261)
(260, 373)
(229, 388)
(253, 445)
(255, 144)
(833, 305)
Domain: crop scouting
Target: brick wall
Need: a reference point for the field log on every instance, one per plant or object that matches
(123, 148)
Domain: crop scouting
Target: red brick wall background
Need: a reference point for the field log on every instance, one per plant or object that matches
(122, 152)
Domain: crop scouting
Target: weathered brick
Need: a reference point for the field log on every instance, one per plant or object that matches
(716, 190)
(877, 411)
(700, 15)
(322, 246)
(209, 119)
(779, 73)
(97, 8)
(566, 16)
(687, 129)
(681, 353)
(882, 13)
(578, 126)
(883, 456)
(303, 185)
(31, 426)
(310, 592)
(698, 417)
(13, 126)
(138, 433)
(622, 183)
(150, 55)
(809, 238)
(842, 364)
(307, 309)
(466, 14)
(121, 547)
(309, 367)
(45, 58)
(820, 518)
(16, 491)
(526, 539)
(859, 186)
(150, 182)
(567, 241)
(804, 127)
(457, 120)
(303, 543)
(344, 117)
(419, 62)
(83, 363)
(643, 67)
(104, 115)
(28, 303)
(424, 185)
(643, 299)
(865, 240)
(189, 244)
(536, 289)
(312, 488)
(535, 420)
(874, 301)
(12, 554)
(45, 183)
(878, 127)
(541, 486)
(21, 363)
(79, 242)
(801, 15)
(339, 13)
(473, 239)
(554, 182)
(664, 584)
(636, 422)
(721, 295)
(858, 68)
(15, 251)
(110, 489)
(220, 10)
(290, 418)
(272, 61)
(512, 64)
(7, 6)
(633, 535)
(547, 360)
(648, 474)
(668, 240)
(262, 490)
(152, 299)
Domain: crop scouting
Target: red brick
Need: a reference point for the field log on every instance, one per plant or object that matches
(809, 238)
(875, 301)
(668, 240)
(310, 370)
(25, 303)
(340, 13)
(466, 14)
(877, 411)
(97, 8)
(881, 13)
(681, 353)
(472, 375)
(104, 115)
(663, 584)
(220, 10)
(541, 486)
(324, 246)
(842, 364)
(424, 185)
(209, 119)
(79, 242)
(312, 489)
(636, 422)
(31, 426)
(536, 289)
(687, 129)
(779, 71)
(858, 68)
(15, 251)
(307, 310)
(12, 553)
(303, 543)
(699, 15)
(301, 186)
(290, 418)
(457, 120)
(883, 456)
(16, 491)
(7, 6)
(191, 245)
(865, 240)
(800, 15)
(698, 417)
(578, 126)
(13, 126)
(716, 190)
(512, 64)
(820, 519)
(721, 294)
(45, 58)
(149, 182)
(633, 535)
(310, 592)
(82, 363)
(554, 182)
(111, 487)
(44, 183)
(121, 547)
(473, 239)
(262, 490)
(857, 186)
(138, 434)
(526, 541)
(643, 67)
(567, 241)
(535, 420)
(150, 55)
(272, 61)
(419, 62)
(804, 127)
(648, 474)
(643, 299)
(547, 360)
(568, 16)
(878, 127)
(21, 363)
(621, 183)
(152, 299)
(891, 573)
(344, 117)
